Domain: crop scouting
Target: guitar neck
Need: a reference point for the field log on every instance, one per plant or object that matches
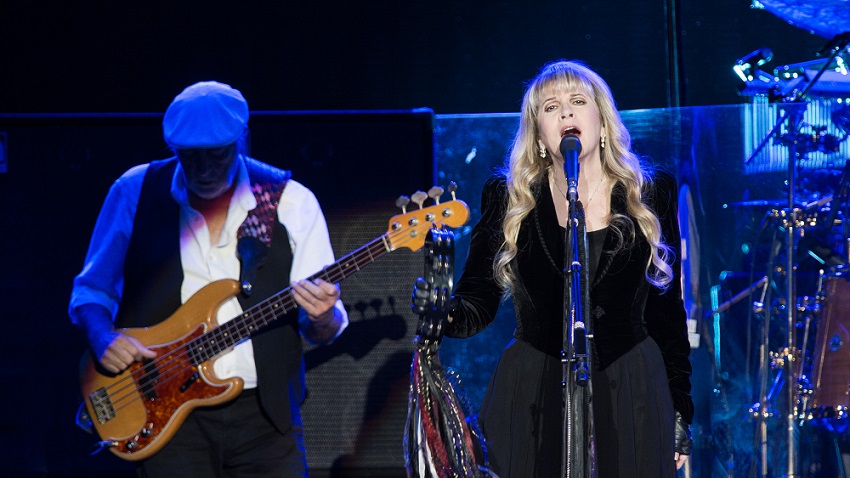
(256, 318)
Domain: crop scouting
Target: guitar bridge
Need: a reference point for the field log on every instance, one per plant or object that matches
(102, 405)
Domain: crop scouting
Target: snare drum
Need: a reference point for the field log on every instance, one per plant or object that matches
(831, 358)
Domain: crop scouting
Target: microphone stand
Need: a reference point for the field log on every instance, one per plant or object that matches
(578, 452)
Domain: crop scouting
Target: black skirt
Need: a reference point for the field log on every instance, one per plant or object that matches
(633, 415)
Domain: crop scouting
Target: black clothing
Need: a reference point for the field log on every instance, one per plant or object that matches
(254, 447)
(154, 275)
(631, 318)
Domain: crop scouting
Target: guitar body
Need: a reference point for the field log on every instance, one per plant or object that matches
(136, 411)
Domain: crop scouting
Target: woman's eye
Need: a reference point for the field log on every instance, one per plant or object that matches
(550, 108)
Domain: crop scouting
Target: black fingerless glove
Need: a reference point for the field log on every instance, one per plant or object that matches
(684, 443)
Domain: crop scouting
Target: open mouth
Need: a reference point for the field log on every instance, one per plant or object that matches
(570, 130)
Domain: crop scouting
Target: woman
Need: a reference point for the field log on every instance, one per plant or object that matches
(641, 384)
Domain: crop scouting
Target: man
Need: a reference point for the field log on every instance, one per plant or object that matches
(170, 227)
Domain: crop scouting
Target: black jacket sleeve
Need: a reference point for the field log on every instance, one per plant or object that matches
(477, 294)
(665, 311)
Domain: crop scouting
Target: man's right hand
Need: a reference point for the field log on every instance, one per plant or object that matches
(120, 352)
(114, 351)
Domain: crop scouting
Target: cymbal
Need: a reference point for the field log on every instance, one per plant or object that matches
(826, 18)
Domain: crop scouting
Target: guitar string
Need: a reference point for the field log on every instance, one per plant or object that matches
(185, 350)
(189, 348)
(270, 314)
(265, 315)
(166, 375)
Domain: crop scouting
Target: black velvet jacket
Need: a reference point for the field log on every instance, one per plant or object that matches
(625, 307)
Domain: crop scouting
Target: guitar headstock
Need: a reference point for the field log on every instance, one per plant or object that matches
(410, 228)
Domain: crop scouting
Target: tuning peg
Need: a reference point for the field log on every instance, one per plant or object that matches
(419, 197)
(435, 193)
(402, 202)
(452, 189)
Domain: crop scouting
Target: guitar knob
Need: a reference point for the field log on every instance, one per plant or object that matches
(132, 444)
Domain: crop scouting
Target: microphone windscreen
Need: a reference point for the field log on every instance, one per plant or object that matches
(570, 142)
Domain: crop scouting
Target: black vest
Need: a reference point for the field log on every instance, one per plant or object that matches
(153, 275)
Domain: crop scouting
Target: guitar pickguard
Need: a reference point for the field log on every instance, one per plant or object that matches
(154, 397)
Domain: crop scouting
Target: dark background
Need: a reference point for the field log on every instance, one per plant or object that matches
(100, 64)
(452, 56)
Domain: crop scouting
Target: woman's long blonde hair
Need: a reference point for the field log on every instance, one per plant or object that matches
(525, 167)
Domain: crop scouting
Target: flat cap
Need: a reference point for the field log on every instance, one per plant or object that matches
(207, 114)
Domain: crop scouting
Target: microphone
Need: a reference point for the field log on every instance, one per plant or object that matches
(570, 149)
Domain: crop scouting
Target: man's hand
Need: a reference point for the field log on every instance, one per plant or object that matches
(317, 298)
(114, 351)
(121, 351)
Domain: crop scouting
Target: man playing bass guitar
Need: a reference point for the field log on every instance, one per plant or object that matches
(166, 230)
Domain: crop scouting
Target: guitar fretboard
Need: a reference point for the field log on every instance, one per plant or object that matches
(256, 318)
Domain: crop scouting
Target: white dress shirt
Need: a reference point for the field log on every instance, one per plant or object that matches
(101, 280)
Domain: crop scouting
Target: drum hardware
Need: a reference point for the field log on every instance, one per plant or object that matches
(823, 248)
(841, 119)
(758, 412)
(807, 311)
(745, 66)
(794, 218)
(841, 204)
(737, 297)
(805, 393)
(778, 359)
(816, 141)
(804, 397)
(762, 410)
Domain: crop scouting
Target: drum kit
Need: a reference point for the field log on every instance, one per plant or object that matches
(804, 352)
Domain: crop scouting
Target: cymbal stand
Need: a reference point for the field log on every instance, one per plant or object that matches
(837, 45)
(765, 397)
(790, 309)
(795, 106)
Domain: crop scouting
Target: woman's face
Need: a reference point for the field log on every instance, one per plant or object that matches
(563, 112)
(209, 171)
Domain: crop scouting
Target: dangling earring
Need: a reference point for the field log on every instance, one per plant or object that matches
(602, 142)
(543, 152)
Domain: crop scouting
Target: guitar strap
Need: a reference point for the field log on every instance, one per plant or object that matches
(255, 234)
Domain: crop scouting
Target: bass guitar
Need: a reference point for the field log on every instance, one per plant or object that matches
(136, 412)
